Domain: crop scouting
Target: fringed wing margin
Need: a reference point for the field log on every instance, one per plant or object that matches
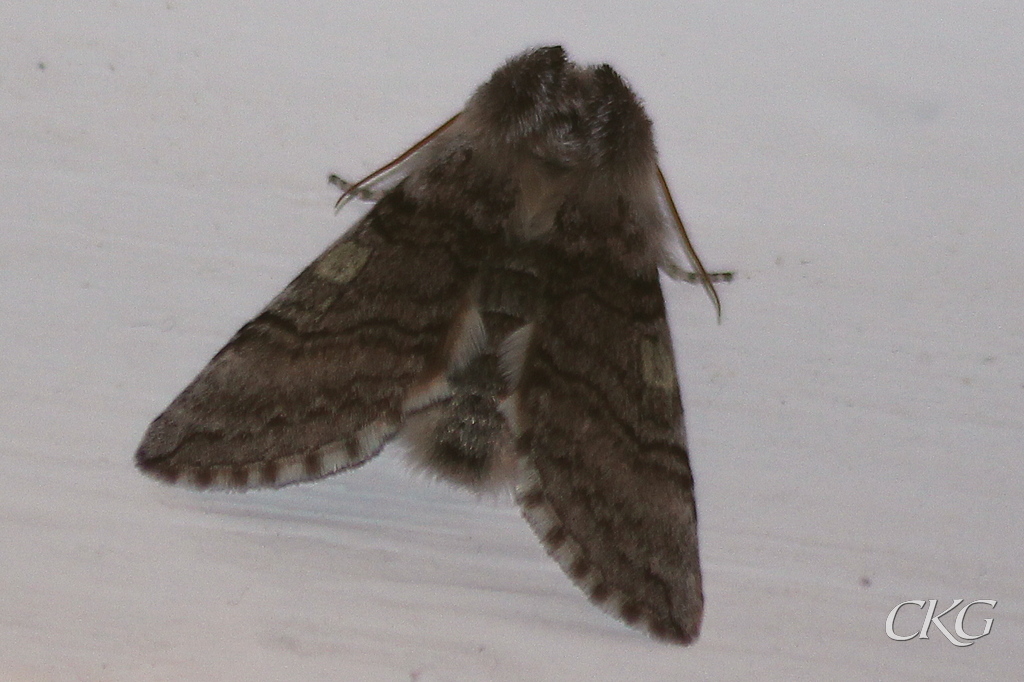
(605, 479)
(317, 381)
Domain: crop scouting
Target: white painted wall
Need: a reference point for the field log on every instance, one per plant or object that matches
(856, 421)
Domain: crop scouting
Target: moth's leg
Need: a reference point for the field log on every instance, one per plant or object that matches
(363, 193)
(680, 274)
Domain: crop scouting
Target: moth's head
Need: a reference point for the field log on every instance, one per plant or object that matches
(540, 106)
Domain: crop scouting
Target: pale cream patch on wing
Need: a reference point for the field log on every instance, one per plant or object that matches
(657, 364)
(342, 262)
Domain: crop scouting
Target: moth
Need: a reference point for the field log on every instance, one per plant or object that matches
(499, 310)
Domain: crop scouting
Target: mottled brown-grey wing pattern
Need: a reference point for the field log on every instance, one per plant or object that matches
(605, 480)
(316, 382)
(501, 307)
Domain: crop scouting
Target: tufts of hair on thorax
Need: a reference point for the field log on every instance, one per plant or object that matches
(566, 135)
(540, 107)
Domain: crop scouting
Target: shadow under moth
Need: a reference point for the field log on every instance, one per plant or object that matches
(499, 310)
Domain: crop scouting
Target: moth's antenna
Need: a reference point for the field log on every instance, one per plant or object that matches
(354, 189)
(691, 254)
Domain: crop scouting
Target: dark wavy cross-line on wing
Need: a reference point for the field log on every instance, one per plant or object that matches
(605, 479)
(500, 307)
(316, 382)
